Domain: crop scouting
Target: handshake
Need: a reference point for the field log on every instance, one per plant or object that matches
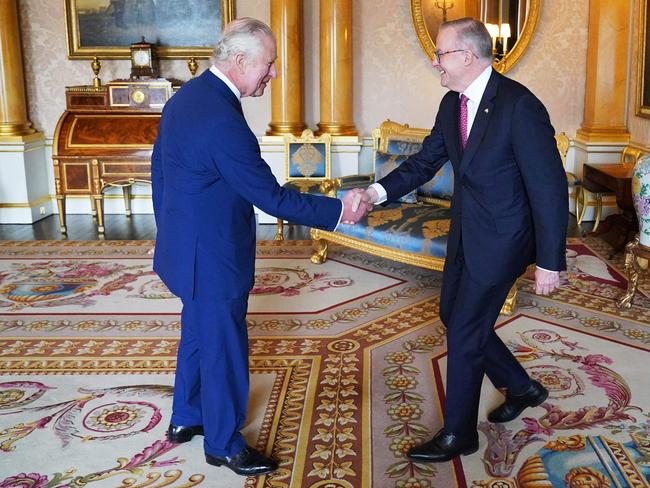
(357, 203)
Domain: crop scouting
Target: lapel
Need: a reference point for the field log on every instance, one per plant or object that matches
(455, 143)
(481, 122)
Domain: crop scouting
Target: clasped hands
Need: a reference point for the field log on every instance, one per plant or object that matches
(356, 204)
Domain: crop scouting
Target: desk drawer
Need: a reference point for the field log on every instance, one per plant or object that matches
(125, 169)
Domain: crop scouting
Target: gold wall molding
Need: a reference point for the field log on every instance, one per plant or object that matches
(287, 97)
(607, 73)
(336, 68)
(13, 107)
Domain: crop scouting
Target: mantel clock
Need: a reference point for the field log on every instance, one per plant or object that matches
(143, 60)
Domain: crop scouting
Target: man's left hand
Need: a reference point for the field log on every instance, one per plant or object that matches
(546, 281)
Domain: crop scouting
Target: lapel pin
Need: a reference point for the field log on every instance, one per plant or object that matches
(487, 110)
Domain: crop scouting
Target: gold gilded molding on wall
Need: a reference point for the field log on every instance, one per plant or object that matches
(426, 28)
(643, 65)
(106, 29)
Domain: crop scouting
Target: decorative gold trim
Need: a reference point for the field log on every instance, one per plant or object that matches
(642, 110)
(508, 61)
(428, 262)
(30, 204)
(308, 137)
(75, 51)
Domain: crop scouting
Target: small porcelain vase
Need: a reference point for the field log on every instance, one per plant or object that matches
(641, 196)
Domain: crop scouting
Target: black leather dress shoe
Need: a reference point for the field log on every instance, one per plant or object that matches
(247, 462)
(183, 433)
(443, 447)
(515, 404)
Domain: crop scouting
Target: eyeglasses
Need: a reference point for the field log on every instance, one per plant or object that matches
(441, 54)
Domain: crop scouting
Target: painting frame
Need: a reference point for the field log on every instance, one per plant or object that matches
(643, 63)
(77, 49)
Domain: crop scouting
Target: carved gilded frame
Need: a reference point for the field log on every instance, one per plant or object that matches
(643, 63)
(78, 51)
(502, 65)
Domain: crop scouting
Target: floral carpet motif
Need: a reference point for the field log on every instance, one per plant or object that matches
(347, 372)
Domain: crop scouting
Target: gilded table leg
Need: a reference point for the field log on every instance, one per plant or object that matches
(632, 268)
(581, 198)
(279, 235)
(511, 301)
(126, 193)
(60, 203)
(320, 256)
(99, 210)
(599, 210)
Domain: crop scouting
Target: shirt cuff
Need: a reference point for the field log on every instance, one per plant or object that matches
(340, 216)
(544, 269)
(381, 192)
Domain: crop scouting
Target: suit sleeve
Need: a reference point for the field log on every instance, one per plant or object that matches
(157, 182)
(544, 177)
(237, 158)
(419, 168)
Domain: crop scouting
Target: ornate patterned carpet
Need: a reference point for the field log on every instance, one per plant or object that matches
(347, 372)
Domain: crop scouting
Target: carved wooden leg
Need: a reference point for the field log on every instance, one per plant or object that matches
(60, 203)
(126, 192)
(99, 210)
(279, 235)
(631, 264)
(320, 256)
(511, 301)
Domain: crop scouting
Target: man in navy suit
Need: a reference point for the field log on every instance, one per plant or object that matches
(207, 173)
(509, 209)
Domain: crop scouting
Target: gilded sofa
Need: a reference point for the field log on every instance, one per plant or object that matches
(412, 231)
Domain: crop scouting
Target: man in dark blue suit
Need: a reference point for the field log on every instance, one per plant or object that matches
(509, 209)
(207, 174)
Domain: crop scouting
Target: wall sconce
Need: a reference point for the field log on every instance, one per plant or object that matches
(504, 34)
(444, 5)
(493, 29)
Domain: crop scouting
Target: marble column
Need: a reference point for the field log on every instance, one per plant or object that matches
(336, 68)
(13, 109)
(607, 73)
(287, 98)
(24, 193)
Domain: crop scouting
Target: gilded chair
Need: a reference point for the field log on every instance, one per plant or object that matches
(308, 164)
(629, 157)
(562, 142)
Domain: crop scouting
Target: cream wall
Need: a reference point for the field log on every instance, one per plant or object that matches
(392, 75)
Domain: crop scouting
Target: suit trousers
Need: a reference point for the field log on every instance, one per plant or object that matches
(211, 384)
(469, 310)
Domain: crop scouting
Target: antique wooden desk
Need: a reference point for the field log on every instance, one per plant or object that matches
(104, 139)
(616, 178)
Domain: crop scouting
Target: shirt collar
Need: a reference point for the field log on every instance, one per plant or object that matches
(476, 88)
(226, 80)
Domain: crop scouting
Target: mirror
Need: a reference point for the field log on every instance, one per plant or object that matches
(511, 24)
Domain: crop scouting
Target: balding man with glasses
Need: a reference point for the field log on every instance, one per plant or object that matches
(509, 209)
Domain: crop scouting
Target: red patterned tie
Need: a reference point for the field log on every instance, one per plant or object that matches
(463, 120)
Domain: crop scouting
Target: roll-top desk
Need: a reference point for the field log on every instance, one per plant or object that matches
(105, 139)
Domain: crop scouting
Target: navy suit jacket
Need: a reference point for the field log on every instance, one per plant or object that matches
(510, 200)
(207, 173)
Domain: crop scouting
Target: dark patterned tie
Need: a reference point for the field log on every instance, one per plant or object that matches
(463, 120)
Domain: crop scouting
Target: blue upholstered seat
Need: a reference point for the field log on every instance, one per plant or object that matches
(409, 227)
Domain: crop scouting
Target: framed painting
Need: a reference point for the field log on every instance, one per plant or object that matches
(643, 71)
(179, 28)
